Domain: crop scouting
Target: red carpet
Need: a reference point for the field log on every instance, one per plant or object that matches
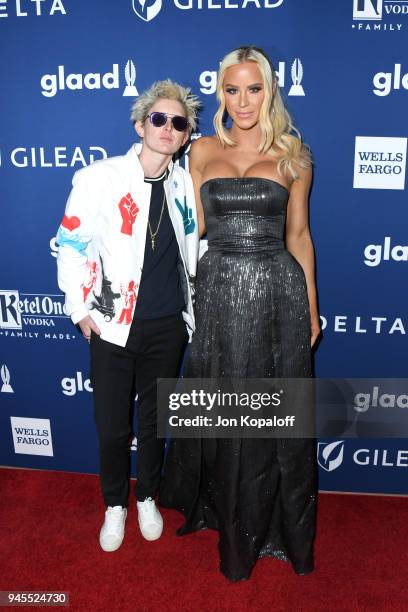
(50, 522)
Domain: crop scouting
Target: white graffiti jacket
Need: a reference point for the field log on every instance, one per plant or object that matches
(102, 238)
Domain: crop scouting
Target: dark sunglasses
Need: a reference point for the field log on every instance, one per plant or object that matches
(159, 119)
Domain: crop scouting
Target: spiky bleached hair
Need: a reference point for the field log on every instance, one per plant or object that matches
(168, 90)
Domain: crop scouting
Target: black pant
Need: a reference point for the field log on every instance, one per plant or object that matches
(154, 350)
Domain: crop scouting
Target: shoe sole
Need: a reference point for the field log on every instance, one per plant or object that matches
(110, 547)
(151, 538)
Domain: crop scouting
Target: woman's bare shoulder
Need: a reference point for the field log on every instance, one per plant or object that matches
(202, 149)
(204, 143)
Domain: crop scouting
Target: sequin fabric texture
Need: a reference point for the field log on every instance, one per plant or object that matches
(252, 321)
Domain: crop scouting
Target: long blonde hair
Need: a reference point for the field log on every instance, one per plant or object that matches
(274, 120)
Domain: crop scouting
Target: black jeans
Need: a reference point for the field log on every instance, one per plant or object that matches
(154, 350)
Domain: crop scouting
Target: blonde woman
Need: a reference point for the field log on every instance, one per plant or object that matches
(256, 317)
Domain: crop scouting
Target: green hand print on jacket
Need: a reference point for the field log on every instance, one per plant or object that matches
(187, 216)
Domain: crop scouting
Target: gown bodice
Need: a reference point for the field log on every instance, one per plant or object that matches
(244, 214)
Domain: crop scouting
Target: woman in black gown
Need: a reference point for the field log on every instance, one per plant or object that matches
(256, 317)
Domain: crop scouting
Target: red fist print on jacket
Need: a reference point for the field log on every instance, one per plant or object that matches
(128, 209)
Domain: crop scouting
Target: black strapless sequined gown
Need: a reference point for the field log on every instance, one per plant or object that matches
(252, 321)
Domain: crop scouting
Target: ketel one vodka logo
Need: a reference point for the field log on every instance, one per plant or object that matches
(17, 309)
(147, 10)
(379, 15)
(10, 315)
(367, 9)
(51, 84)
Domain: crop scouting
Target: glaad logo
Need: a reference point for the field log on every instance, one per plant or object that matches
(56, 7)
(130, 76)
(147, 10)
(297, 76)
(208, 79)
(376, 253)
(384, 82)
(379, 163)
(71, 386)
(330, 455)
(21, 312)
(5, 377)
(32, 436)
(133, 444)
(52, 83)
(364, 401)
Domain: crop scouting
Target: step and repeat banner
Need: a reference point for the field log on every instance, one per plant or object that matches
(70, 71)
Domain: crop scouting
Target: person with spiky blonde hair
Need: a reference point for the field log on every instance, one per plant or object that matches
(170, 91)
(256, 318)
(132, 220)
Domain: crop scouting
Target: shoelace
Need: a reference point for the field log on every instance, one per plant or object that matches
(147, 507)
(114, 517)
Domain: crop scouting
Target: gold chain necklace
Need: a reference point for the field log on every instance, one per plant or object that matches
(154, 234)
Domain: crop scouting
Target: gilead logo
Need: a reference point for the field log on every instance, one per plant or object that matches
(374, 254)
(330, 455)
(147, 10)
(381, 457)
(227, 4)
(55, 157)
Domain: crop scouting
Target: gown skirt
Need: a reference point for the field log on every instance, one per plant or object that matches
(252, 321)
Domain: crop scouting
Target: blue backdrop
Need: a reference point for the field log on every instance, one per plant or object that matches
(69, 71)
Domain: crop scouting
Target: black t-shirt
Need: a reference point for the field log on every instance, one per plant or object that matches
(160, 293)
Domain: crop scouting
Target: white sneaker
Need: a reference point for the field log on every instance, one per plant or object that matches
(113, 529)
(150, 519)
